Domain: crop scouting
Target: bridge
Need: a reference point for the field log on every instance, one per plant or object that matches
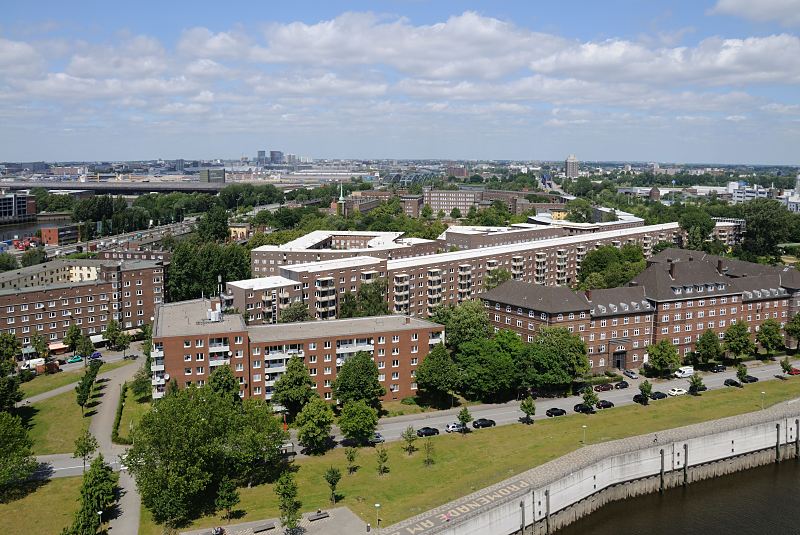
(117, 187)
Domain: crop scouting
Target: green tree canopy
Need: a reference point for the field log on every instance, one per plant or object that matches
(437, 376)
(737, 340)
(8, 262)
(314, 425)
(769, 336)
(698, 226)
(616, 266)
(294, 388)
(554, 359)
(487, 372)
(357, 380)
(370, 300)
(463, 323)
(580, 211)
(17, 463)
(708, 347)
(496, 277)
(224, 383)
(792, 328)
(358, 421)
(213, 225)
(664, 357)
(295, 312)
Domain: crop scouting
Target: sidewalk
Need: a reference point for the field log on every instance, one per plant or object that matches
(342, 521)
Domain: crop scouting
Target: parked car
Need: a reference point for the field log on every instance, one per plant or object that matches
(604, 388)
(583, 408)
(716, 368)
(701, 388)
(95, 356)
(794, 371)
(622, 384)
(604, 404)
(377, 438)
(732, 382)
(658, 395)
(750, 379)
(640, 398)
(555, 411)
(74, 358)
(676, 391)
(483, 422)
(427, 431)
(630, 373)
(454, 427)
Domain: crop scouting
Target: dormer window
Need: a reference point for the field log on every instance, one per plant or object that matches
(677, 291)
(688, 289)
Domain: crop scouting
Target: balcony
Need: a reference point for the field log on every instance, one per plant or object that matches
(353, 348)
(157, 365)
(158, 394)
(219, 348)
(218, 362)
(156, 353)
(157, 381)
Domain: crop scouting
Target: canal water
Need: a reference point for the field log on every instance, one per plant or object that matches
(760, 501)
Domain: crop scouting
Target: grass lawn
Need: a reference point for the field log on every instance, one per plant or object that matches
(461, 465)
(45, 383)
(132, 412)
(397, 408)
(54, 423)
(45, 511)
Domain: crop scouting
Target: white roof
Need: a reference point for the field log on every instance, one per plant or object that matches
(262, 283)
(378, 239)
(339, 263)
(523, 247)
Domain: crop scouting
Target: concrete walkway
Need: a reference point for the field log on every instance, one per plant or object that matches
(341, 521)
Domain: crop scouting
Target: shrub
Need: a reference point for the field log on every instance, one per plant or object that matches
(115, 438)
(409, 401)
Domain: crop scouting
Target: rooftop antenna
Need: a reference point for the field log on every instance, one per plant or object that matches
(219, 285)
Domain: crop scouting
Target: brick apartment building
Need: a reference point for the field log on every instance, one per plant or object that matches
(679, 296)
(191, 338)
(45, 299)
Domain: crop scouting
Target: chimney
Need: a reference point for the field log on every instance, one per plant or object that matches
(719, 266)
(408, 320)
(672, 269)
(588, 295)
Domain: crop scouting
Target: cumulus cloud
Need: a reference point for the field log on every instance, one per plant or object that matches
(786, 12)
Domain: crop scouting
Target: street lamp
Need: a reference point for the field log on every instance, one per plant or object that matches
(100, 514)
(377, 515)
(762, 400)
(584, 434)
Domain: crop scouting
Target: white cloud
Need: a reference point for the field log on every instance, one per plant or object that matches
(137, 57)
(18, 58)
(787, 12)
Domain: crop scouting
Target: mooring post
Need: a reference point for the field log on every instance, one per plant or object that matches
(533, 512)
(777, 443)
(522, 513)
(685, 464)
(796, 439)
(661, 485)
(547, 511)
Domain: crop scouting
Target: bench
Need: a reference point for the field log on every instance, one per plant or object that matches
(264, 527)
(319, 515)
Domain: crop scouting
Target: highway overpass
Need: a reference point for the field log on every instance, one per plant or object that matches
(114, 187)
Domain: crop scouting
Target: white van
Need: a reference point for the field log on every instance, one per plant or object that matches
(684, 371)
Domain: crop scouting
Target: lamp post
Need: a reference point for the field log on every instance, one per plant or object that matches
(762, 400)
(584, 434)
(377, 516)
(100, 514)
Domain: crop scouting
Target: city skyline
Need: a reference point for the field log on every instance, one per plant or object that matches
(714, 81)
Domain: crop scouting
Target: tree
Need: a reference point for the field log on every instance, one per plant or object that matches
(72, 337)
(554, 359)
(487, 372)
(792, 329)
(348, 306)
(332, 478)
(314, 425)
(786, 366)
(85, 445)
(33, 256)
(10, 392)
(8, 262)
(289, 505)
(463, 323)
(382, 458)
(98, 493)
(708, 347)
(409, 436)
(590, 397)
(698, 225)
(664, 357)
(455, 213)
(140, 386)
(83, 390)
(741, 372)
(9, 347)
(593, 281)
(213, 225)
(227, 497)
(464, 418)
(351, 454)
(427, 448)
(294, 388)
(17, 463)
(357, 380)
(768, 224)
(41, 346)
(737, 340)
(695, 384)
(123, 343)
(528, 407)
(645, 388)
(580, 211)
(769, 336)
(196, 265)
(617, 266)
(358, 421)
(370, 300)
(112, 333)
(85, 348)
(426, 212)
(295, 312)
(437, 376)
(224, 383)
(496, 277)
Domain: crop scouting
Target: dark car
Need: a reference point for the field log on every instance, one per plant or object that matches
(749, 379)
(555, 411)
(622, 384)
(483, 422)
(604, 388)
(427, 431)
(716, 368)
(694, 390)
(658, 395)
(604, 404)
(640, 398)
(583, 408)
(732, 382)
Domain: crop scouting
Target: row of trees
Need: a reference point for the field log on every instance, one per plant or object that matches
(98, 495)
(610, 267)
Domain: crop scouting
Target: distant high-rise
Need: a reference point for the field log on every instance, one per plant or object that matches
(275, 157)
(180, 164)
(797, 185)
(571, 166)
(261, 159)
(212, 175)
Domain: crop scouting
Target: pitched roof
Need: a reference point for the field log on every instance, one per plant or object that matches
(675, 280)
(550, 299)
(622, 300)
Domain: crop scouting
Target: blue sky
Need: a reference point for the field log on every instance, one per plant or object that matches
(693, 81)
